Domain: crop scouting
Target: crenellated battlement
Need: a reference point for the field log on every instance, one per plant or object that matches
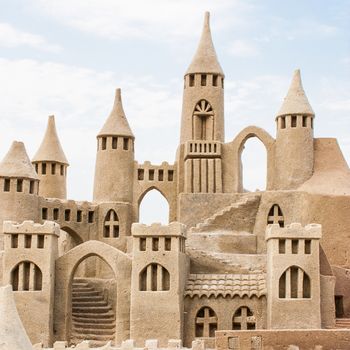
(294, 231)
(164, 172)
(156, 229)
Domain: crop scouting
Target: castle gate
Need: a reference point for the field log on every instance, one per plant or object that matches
(65, 269)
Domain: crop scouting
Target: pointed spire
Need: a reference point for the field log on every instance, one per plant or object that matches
(205, 59)
(50, 148)
(116, 124)
(17, 163)
(296, 101)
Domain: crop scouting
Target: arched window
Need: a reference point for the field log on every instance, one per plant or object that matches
(243, 319)
(203, 121)
(275, 216)
(206, 322)
(111, 225)
(154, 277)
(294, 283)
(26, 276)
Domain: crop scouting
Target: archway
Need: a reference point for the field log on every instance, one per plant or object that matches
(67, 240)
(237, 149)
(66, 268)
(93, 296)
(254, 165)
(153, 207)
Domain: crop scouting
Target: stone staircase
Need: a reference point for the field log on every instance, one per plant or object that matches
(342, 323)
(92, 316)
(238, 216)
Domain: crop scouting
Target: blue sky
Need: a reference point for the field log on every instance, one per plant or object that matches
(67, 57)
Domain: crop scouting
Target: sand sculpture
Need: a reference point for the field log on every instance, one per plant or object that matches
(253, 270)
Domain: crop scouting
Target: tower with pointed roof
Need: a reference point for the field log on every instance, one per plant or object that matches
(51, 164)
(294, 156)
(19, 185)
(115, 157)
(202, 123)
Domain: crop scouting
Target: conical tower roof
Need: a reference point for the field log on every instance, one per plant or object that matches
(116, 124)
(16, 163)
(12, 333)
(205, 59)
(296, 101)
(50, 149)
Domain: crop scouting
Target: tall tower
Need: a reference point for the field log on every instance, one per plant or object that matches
(294, 141)
(202, 123)
(51, 164)
(115, 158)
(19, 185)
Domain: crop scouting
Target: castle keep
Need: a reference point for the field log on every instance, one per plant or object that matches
(229, 260)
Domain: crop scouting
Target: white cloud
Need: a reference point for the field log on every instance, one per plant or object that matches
(243, 48)
(13, 37)
(163, 19)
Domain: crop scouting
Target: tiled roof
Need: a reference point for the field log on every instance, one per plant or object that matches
(226, 285)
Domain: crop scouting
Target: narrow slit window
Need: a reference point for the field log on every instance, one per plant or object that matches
(27, 241)
(191, 80)
(167, 243)
(295, 246)
(104, 143)
(91, 216)
(170, 175)
(215, 80)
(19, 185)
(44, 213)
(283, 122)
(222, 82)
(142, 244)
(294, 121)
(160, 175)
(140, 174)
(55, 213)
(79, 215)
(282, 246)
(151, 174)
(53, 168)
(41, 240)
(125, 143)
(7, 185)
(43, 168)
(67, 215)
(304, 121)
(62, 169)
(31, 186)
(155, 244)
(114, 142)
(307, 246)
(37, 168)
(14, 241)
(203, 79)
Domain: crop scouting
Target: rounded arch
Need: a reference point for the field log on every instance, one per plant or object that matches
(111, 224)
(68, 239)
(26, 276)
(154, 277)
(147, 191)
(65, 268)
(206, 322)
(294, 283)
(243, 319)
(275, 215)
(203, 121)
(238, 145)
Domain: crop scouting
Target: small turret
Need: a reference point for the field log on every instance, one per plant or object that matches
(115, 157)
(294, 141)
(19, 185)
(51, 164)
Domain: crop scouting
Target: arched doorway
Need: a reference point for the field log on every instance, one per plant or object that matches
(65, 270)
(93, 302)
(153, 207)
(254, 165)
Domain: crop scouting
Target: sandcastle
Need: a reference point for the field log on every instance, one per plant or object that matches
(232, 270)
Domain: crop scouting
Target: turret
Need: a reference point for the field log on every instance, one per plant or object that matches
(51, 164)
(202, 124)
(115, 157)
(294, 141)
(203, 98)
(19, 186)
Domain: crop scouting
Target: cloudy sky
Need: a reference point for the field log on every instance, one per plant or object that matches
(67, 57)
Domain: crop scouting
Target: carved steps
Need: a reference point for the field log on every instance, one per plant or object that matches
(342, 323)
(92, 316)
(236, 209)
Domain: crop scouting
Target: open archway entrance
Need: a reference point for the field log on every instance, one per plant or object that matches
(93, 302)
(153, 207)
(254, 165)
